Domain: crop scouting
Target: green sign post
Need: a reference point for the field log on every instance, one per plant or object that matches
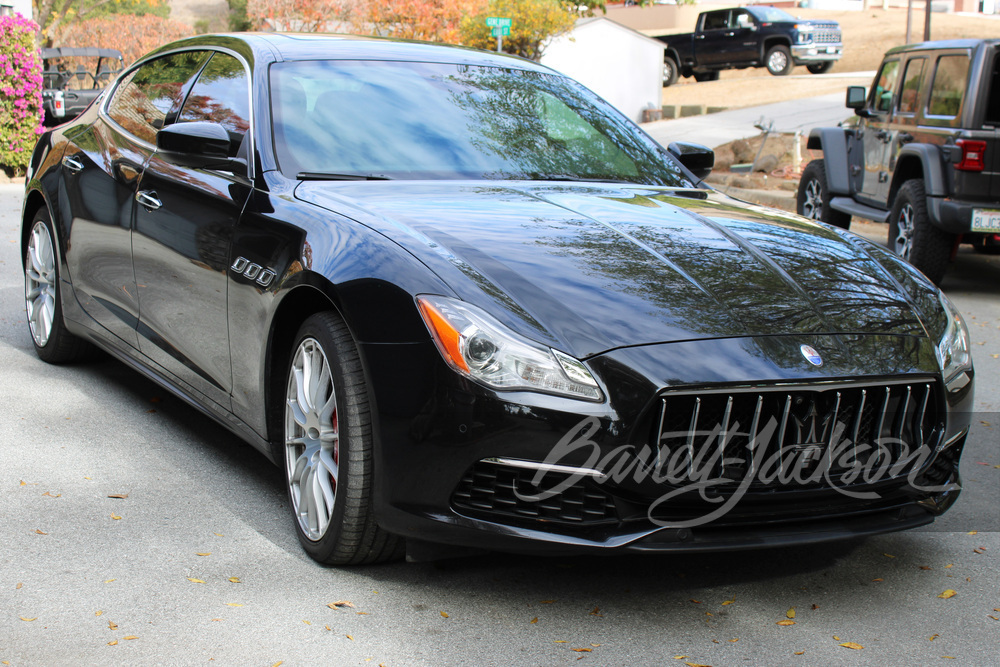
(501, 27)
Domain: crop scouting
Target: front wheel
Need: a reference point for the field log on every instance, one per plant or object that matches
(669, 72)
(778, 60)
(820, 68)
(53, 343)
(913, 237)
(328, 448)
(813, 200)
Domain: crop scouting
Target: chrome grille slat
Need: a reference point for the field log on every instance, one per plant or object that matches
(808, 421)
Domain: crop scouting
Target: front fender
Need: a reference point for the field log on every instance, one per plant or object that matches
(833, 141)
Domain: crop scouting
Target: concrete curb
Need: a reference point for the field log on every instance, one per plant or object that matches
(672, 111)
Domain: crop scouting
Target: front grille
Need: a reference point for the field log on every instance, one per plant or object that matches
(491, 490)
(826, 37)
(794, 431)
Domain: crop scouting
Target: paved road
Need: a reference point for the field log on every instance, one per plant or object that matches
(80, 586)
(719, 128)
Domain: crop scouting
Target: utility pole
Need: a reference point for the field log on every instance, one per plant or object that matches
(927, 20)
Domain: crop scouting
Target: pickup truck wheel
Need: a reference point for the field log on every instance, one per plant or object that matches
(669, 71)
(778, 60)
(913, 237)
(813, 200)
(820, 68)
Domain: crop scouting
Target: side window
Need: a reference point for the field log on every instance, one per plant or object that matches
(993, 106)
(716, 20)
(742, 19)
(909, 94)
(220, 95)
(948, 87)
(885, 87)
(143, 100)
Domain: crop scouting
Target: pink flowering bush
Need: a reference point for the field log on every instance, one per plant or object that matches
(20, 92)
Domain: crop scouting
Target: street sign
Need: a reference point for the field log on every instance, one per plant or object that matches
(503, 30)
(498, 22)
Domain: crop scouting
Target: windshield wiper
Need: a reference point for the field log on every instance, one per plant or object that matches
(329, 176)
(578, 179)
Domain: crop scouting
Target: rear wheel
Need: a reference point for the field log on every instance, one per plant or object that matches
(328, 448)
(820, 68)
(669, 71)
(913, 237)
(813, 200)
(778, 60)
(53, 343)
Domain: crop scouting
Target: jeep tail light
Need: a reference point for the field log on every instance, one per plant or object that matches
(972, 155)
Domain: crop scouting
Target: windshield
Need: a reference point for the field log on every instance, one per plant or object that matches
(440, 121)
(771, 14)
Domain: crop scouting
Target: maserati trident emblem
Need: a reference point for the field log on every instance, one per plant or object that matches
(811, 355)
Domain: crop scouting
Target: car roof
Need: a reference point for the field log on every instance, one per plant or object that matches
(322, 46)
(942, 44)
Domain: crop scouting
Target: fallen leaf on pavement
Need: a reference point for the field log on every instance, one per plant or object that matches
(933, 637)
(39, 532)
(790, 613)
(948, 594)
(349, 637)
(851, 645)
(534, 620)
(19, 585)
(108, 581)
(112, 625)
(235, 580)
(98, 612)
(306, 622)
(233, 604)
(596, 611)
(204, 553)
(123, 496)
(582, 650)
(29, 619)
(113, 642)
(340, 603)
(444, 614)
(888, 555)
(546, 601)
(728, 602)
(785, 622)
(115, 517)
(195, 581)
(128, 637)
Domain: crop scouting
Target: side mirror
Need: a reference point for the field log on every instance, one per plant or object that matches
(198, 144)
(697, 158)
(855, 97)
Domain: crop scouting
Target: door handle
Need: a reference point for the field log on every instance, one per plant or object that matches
(882, 135)
(148, 199)
(699, 36)
(72, 164)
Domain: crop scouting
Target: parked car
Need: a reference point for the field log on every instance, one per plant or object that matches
(453, 294)
(73, 78)
(755, 36)
(924, 154)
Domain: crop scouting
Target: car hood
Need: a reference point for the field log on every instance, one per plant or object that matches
(588, 268)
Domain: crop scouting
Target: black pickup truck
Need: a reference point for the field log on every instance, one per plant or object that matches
(750, 37)
(74, 77)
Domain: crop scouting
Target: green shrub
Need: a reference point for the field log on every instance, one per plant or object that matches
(20, 92)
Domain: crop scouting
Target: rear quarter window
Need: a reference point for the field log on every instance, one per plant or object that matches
(948, 87)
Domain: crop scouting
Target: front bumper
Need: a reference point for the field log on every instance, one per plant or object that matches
(439, 480)
(814, 53)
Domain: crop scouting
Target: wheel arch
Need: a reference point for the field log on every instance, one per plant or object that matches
(833, 142)
(919, 161)
(34, 201)
(771, 41)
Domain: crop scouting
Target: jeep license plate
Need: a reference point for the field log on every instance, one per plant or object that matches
(985, 221)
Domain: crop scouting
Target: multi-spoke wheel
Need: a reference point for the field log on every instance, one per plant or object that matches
(813, 200)
(669, 71)
(53, 343)
(913, 237)
(778, 60)
(328, 447)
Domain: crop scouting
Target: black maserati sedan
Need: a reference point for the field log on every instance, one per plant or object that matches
(466, 304)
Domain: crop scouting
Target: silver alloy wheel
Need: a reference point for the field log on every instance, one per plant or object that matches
(40, 283)
(812, 207)
(903, 243)
(312, 439)
(777, 61)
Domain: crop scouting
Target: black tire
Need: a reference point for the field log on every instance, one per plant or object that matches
(813, 199)
(779, 60)
(669, 71)
(328, 448)
(913, 237)
(706, 76)
(820, 68)
(53, 343)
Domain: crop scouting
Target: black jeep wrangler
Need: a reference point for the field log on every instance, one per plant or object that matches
(924, 155)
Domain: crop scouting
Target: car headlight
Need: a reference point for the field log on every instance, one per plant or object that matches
(481, 348)
(953, 347)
